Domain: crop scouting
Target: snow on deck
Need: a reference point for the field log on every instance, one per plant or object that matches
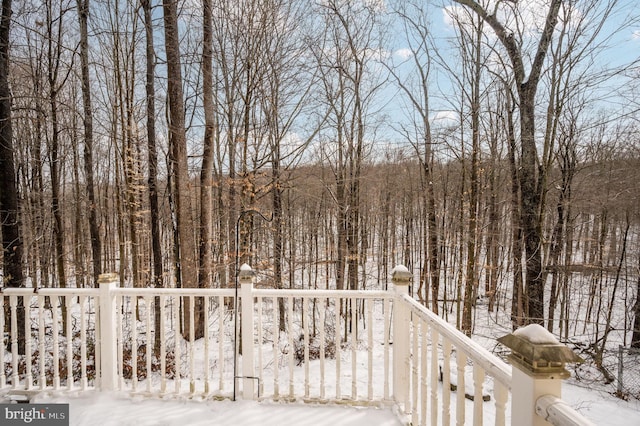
(104, 409)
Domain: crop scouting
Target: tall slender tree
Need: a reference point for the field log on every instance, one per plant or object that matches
(179, 168)
(9, 218)
(94, 229)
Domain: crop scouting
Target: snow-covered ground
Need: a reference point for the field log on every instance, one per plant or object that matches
(102, 409)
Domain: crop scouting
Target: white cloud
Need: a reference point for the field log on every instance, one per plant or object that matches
(403, 53)
(636, 35)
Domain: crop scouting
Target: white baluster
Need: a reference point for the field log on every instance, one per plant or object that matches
(291, 347)
(435, 337)
(68, 300)
(134, 342)
(177, 338)
(424, 373)
(148, 303)
(323, 307)
(387, 329)
(41, 348)
(416, 328)
(478, 379)
(276, 348)
(192, 334)
(354, 348)
(501, 394)
(369, 303)
(221, 339)
(305, 322)
(83, 338)
(338, 340)
(260, 343)
(163, 347)
(27, 346)
(206, 306)
(446, 381)
(461, 361)
(56, 353)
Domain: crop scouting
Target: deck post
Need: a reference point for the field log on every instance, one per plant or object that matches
(108, 333)
(245, 277)
(401, 278)
(538, 362)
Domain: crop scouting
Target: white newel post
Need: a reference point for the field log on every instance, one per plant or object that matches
(108, 334)
(245, 277)
(401, 278)
(538, 362)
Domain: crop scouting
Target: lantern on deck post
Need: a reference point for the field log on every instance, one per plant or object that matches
(538, 361)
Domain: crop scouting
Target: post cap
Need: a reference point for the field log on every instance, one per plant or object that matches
(110, 277)
(539, 352)
(246, 273)
(401, 275)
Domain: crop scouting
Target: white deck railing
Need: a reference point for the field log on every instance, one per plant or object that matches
(355, 347)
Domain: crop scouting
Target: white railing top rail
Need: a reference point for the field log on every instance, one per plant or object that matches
(49, 291)
(150, 291)
(494, 366)
(557, 412)
(345, 294)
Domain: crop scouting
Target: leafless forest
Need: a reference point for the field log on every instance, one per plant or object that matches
(490, 146)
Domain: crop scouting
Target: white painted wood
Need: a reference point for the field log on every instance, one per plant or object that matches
(55, 330)
(557, 412)
(119, 309)
(41, 347)
(291, 347)
(337, 341)
(305, 330)
(260, 304)
(192, 334)
(148, 303)
(446, 381)
(523, 401)
(177, 343)
(27, 346)
(435, 338)
(323, 306)
(353, 304)
(134, 342)
(163, 347)
(370, 322)
(248, 366)
(221, 339)
(108, 336)
(387, 330)
(15, 377)
(478, 379)
(69, 336)
(461, 363)
(424, 374)
(276, 347)
(416, 329)
(501, 394)
(400, 345)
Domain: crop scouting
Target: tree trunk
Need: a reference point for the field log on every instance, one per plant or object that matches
(94, 230)
(9, 218)
(182, 187)
(206, 171)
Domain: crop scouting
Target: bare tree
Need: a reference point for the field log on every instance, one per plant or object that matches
(96, 247)
(188, 270)
(9, 219)
(530, 191)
